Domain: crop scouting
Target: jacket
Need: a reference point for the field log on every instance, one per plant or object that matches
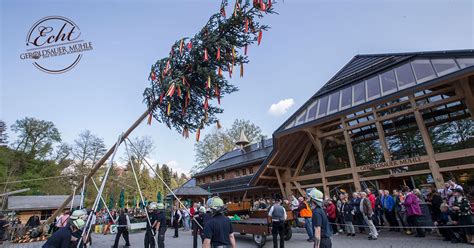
(331, 210)
(366, 207)
(371, 198)
(412, 204)
(305, 211)
(388, 203)
(347, 211)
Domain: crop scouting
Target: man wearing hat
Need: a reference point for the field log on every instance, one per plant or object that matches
(322, 228)
(278, 215)
(218, 232)
(161, 224)
(63, 237)
(150, 240)
(123, 222)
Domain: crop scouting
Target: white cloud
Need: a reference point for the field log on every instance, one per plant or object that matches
(280, 108)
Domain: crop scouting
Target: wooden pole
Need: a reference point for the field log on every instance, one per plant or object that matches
(99, 163)
(352, 160)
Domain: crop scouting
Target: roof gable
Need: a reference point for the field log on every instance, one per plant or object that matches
(393, 68)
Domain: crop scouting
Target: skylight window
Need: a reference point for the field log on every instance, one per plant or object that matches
(423, 70)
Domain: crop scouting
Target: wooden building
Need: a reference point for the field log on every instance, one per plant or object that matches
(189, 192)
(40, 205)
(382, 121)
(229, 176)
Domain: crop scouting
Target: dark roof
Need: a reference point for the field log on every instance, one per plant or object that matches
(365, 66)
(250, 154)
(189, 189)
(39, 202)
(228, 185)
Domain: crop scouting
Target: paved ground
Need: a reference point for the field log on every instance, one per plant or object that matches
(389, 240)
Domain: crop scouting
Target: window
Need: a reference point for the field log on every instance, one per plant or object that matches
(223, 176)
(373, 88)
(250, 170)
(290, 125)
(323, 106)
(359, 93)
(237, 173)
(465, 62)
(405, 76)
(301, 118)
(423, 70)
(389, 84)
(444, 66)
(244, 172)
(312, 109)
(213, 178)
(334, 102)
(346, 98)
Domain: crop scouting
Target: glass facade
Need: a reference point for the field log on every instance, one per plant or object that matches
(407, 75)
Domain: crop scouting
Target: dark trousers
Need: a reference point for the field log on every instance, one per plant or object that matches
(161, 237)
(124, 232)
(197, 232)
(149, 239)
(333, 225)
(325, 243)
(392, 221)
(278, 228)
(413, 221)
(378, 218)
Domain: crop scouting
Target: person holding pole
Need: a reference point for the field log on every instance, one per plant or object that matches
(123, 223)
(218, 232)
(161, 224)
(151, 226)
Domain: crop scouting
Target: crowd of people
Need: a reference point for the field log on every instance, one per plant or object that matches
(447, 210)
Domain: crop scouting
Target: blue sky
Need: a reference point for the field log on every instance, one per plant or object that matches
(308, 43)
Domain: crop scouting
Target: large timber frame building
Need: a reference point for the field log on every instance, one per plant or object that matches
(382, 121)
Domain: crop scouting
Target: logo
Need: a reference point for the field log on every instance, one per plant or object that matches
(55, 45)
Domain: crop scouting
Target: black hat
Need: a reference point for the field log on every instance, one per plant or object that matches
(458, 190)
(277, 197)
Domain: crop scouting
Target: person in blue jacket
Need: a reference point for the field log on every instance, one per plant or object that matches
(388, 209)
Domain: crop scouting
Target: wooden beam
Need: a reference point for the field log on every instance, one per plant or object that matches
(312, 139)
(464, 89)
(382, 139)
(280, 183)
(322, 166)
(267, 177)
(403, 174)
(276, 167)
(352, 160)
(457, 167)
(298, 187)
(439, 181)
(454, 154)
(302, 160)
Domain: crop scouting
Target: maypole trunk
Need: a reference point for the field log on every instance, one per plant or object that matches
(99, 163)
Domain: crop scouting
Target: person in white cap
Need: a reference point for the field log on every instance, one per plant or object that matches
(63, 237)
(322, 228)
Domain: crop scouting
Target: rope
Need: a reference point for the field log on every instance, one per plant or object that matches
(406, 227)
(39, 179)
(140, 191)
(164, 183)
(91, 218)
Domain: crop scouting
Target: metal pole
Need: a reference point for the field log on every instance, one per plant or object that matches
(82, 193)
(73, 196)
(140, 192)
(102, 160)
(168, 187)
(102, 199)
(92, 216)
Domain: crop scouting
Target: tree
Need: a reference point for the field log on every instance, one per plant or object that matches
(62, 154)
(87, 149)
(142, 148)
(35, 137)
(252, 131)
(167, 174)
(218, 142)
(3, 133)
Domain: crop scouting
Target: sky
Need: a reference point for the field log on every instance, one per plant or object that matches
(309, 41)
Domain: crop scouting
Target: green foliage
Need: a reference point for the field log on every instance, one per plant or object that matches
(184, 83)
(35, 137)
(218, 142)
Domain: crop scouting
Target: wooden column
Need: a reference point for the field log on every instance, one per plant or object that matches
(287, 176)
(322, 166)
(464, 89)
(434, 167)
(382, 140)
(352, 160)
(280, 183)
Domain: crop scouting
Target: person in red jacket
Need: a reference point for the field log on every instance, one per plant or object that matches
(331, 212)
(371, 197)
